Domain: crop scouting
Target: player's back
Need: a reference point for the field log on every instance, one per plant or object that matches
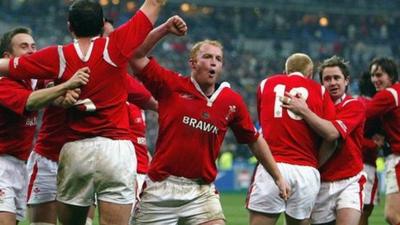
(290, 138)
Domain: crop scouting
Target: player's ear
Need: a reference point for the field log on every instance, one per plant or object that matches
(192, 63)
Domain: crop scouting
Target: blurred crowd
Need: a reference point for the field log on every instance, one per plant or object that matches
(256, 40)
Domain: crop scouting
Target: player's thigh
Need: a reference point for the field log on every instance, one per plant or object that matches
(71, 215)
(7, 218)
(348, 216)
(43, 212)
(112, 213)
(257, 218)
(392, 207)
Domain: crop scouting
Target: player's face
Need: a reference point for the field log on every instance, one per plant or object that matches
(22, 44)
(207, 66)
(334, 81)
(379, 78)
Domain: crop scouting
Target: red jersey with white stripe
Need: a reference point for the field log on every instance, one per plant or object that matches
(101, 110)
(385, 104)
(192, 126)
(17, 126)
(290, 138)
(138, 95)
(347, 159)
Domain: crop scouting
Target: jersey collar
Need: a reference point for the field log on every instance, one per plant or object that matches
(211, 99)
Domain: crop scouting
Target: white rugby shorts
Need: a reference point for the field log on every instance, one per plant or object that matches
(96, 165)
(392, 175)
(264, 196)
(177, 198)
(335, 195)
(42, 179)
(13, 186)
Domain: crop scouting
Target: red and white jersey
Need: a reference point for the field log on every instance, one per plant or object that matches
(17, 126)
(137, 96)
(347, 160)
(290, 138)
(385, 104)
(102, 110)
(192, 126)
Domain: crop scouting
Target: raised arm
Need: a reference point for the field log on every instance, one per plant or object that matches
(262, 152)
(151, 8)
(41, 98)
(174, 25)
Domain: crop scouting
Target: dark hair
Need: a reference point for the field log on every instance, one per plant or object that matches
(387, 65)
(333, 62)
(86, 18)
(5, 41)
(109, 20)
(365, 85)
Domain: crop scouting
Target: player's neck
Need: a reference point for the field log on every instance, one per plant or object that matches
(84, 43)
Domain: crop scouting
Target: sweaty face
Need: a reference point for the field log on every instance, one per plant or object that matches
(22, 44)
(379, 78)
(207, 65)
(334, 81)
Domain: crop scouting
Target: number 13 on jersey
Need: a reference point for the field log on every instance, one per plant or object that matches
(280, 90)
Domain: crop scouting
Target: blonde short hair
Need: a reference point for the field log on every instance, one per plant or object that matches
(299, 62)
(196, 47)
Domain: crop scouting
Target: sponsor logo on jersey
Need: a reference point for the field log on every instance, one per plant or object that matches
(32, 121)
(201, 125)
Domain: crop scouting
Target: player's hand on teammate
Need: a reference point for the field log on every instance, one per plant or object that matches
(80, 78)
(70, 98)
(284, 188)
(176, 25)
(294, 103)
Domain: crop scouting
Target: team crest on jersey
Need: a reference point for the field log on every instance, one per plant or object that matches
(205, 115)
(231, 111)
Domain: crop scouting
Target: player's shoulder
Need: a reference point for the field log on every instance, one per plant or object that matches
(353, 102)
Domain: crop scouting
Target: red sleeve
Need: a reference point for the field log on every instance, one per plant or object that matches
(242, 125)
(137, 93)
(382, 102)
(329, 110)
(349, 117)
(126, 38)
(157, 78)
(13, 95)
(43, 64)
